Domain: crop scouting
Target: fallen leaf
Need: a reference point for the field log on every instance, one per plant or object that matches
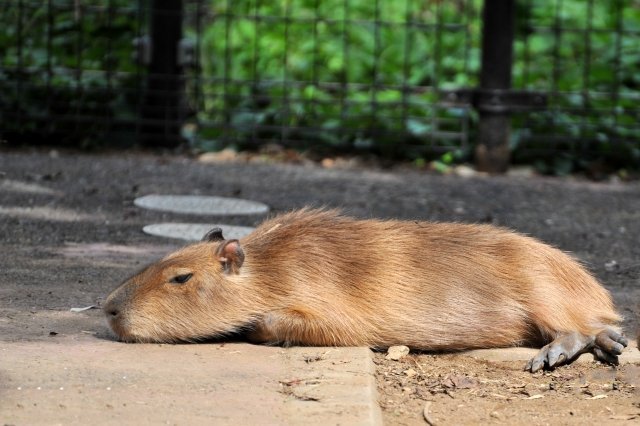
(599, 396)
(536, 396)
(625, 416)
(459, 382)
(292, 382)
(83, 309)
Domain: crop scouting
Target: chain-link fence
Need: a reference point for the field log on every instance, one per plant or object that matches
(554, 80)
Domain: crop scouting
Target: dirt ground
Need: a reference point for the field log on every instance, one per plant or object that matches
(459, 390)
(70, 233)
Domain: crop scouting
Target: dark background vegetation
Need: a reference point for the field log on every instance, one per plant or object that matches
(354, 75)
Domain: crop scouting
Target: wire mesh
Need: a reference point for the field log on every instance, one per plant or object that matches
(587, 60)
(66, 71)
(344, 73)
(347, 74)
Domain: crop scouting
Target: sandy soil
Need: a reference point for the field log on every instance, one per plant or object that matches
(463, 390)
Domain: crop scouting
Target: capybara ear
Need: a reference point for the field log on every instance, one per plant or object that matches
(214, 235)
(231, 256)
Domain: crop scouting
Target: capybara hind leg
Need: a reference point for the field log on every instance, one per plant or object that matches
(606, 346)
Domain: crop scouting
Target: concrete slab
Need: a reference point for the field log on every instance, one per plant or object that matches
(203, 205)
(85, 379)
(195, 231)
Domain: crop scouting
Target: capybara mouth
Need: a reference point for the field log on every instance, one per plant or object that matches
(119, 332)
(127, 334)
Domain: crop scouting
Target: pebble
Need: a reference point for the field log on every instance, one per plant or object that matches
(397, 352)
(225, 156)
(465, 171)
(410, 372)
(611, 266)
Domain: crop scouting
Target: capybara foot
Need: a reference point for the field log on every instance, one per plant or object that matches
(563, 349)
(605, 346)
(608, 345)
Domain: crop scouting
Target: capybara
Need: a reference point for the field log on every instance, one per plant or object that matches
(317, 277)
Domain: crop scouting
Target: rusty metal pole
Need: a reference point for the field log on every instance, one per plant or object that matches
(164, 89)
(492, 149)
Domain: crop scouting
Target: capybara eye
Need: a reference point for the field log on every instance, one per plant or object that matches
(181, 279)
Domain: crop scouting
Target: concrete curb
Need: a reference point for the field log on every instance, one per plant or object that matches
(82, 379)
(332, 386)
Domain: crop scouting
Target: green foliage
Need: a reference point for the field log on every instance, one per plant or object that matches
(70, 75)
(343, 74)
(338, 73)
(589, 62)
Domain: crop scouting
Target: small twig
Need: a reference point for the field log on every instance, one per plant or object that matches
(427, 415)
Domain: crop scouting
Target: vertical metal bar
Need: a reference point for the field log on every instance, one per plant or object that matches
(256, 90)
(557, 34)
(198, 95)
(78, 18)
(492, 150)
(49, 53)
(226, 71)
(20, 64)
(555, 77)
(376, 56)
(345, 55)
(284, 122)
(109, 64)
(161, 110)
(527, 56)
(316, 64)
(586, 72)
(435, 81)
(470, 16)
(406, 64)
(617, 77)
(140, 18)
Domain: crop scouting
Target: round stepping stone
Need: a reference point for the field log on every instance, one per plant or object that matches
(195, 231)
(204, 205)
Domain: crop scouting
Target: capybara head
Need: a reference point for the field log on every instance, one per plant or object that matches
(192, 294)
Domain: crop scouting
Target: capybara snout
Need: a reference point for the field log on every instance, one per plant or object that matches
(187, 296)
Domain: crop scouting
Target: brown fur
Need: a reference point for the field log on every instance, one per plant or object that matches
(315, 277)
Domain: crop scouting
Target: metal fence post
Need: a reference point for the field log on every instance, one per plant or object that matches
(492, 149)
(164, 89)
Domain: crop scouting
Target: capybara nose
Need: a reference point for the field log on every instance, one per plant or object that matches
(115, 303)
(111, 310)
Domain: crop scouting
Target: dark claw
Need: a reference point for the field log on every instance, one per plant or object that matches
(537, 365)
(610, 341)
(537, 362)
(605, 356)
